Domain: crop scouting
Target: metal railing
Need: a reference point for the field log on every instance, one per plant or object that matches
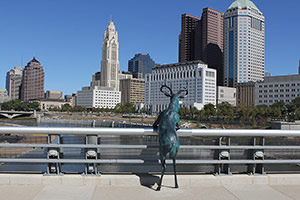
(223, 146)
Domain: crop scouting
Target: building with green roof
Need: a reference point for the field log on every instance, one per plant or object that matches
(244, 43)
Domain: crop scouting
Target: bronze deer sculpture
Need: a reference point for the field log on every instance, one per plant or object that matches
(168, 123)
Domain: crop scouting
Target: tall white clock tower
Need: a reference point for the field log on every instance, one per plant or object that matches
(110, 58)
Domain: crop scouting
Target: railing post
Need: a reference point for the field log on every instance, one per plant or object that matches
(257, 154)
(91, 154)
(223, 154)
(54, 153)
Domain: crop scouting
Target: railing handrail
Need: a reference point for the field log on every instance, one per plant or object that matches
(147, 131)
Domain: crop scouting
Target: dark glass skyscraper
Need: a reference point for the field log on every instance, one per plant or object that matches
(140, 65)
(202, 39)
(188, 40)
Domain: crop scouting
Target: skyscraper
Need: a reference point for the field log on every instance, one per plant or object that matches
(13, 82)
(212, 44)
(32, 81)
(140, 65)
(107, 95)
(187, 37)
(202, 39)
(110, 58)
(244, 43)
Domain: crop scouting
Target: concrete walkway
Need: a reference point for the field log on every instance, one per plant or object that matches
(105, 187)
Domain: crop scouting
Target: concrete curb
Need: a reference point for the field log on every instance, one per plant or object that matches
(134, 180)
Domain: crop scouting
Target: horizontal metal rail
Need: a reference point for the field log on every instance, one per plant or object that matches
(110, 146)
(141, 161)
(92, 155)
(148, 131)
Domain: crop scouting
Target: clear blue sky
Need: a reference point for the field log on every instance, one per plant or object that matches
(66, 35)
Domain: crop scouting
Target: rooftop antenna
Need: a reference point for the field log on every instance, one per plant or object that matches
(21, 60)
(110, 18)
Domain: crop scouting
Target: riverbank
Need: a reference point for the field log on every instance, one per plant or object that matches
(117, 120)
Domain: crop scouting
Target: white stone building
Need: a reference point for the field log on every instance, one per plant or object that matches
(277, 89)
(226, 94)
(4, 96)
(98, 97)
(46, 104)
(104, 91)
(244, 43)
(110, 58)
(201, 85)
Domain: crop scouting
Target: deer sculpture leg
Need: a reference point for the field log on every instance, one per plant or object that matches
(175, 175)
(163, 164)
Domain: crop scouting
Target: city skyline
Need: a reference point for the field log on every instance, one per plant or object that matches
(69, 44)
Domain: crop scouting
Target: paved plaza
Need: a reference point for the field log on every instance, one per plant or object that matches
(106, 187)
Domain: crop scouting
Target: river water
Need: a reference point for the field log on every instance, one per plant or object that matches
(151, 153)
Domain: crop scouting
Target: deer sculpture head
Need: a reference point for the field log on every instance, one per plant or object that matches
(174, 102)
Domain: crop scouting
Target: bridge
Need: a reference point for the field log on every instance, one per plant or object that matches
(123, 163)
(13, 114)
(128, 187)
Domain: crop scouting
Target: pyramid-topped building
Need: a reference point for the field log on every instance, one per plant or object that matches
(32, 86)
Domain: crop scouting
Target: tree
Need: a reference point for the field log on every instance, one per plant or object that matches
(66, 107)
(296, 102)
(79, 109)
(276, 113)
(290, 108)
(124, 108)
(192, 113)
(209, 111)
(34, 106)
(297, 114)
(143, 110)
(281, 106)
(20, 106)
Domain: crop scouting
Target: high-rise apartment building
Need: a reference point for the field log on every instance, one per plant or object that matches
(32, 81)
(244, 43)
(187, 38)
(212, 43)
(13, 82)
(110, 58)
(140, 65)
(202, 39)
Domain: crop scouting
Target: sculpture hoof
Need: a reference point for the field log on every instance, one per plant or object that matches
(158, 189)
(176, 186)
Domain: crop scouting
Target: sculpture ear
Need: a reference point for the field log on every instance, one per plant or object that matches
(184, 91)
(168, 94)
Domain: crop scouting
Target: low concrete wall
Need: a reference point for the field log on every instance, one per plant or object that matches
(286, 125)
(137, 180)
